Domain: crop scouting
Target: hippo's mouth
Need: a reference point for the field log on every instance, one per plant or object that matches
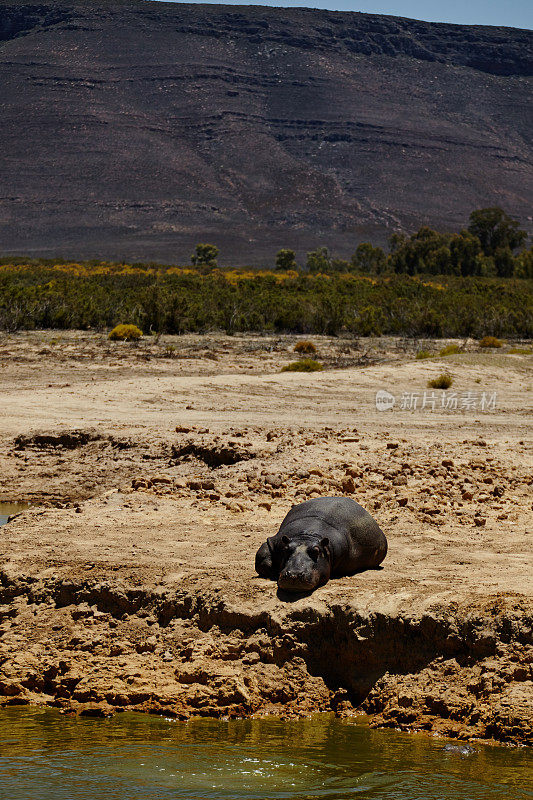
(290, 583)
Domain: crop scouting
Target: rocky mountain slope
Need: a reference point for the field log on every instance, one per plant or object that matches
(136, 129)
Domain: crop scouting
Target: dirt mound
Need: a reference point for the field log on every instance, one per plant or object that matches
(66, 440)
(214, 455)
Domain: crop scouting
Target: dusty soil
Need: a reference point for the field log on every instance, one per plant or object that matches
(156, 470)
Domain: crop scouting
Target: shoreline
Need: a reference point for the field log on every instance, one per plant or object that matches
(362, 720)
(181, 654)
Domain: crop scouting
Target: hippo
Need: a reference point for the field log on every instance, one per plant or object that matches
(321, 538)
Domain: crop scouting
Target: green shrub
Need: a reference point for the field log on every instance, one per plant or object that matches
(286, 259)
(205, 255)
(369, 259)
(423, 354)
(490, 341)
(125, 333)
(450, 350)
(176, 301)
(305, 365)
(319, 260)
(305, 347)
(444, 381)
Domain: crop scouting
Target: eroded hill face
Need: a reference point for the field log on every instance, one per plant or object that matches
(138, 129)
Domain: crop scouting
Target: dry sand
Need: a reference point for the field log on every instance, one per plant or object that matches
(130, 581)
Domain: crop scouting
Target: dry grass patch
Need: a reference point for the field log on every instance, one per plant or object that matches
(450, 350)
(444, 381)
(125, 333)
(305, 365)
(305, 348)
(490, 341)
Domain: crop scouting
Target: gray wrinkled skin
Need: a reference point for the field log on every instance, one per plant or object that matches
(304, 566)
(321, 538)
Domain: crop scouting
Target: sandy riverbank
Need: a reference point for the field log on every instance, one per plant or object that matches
(130, 581)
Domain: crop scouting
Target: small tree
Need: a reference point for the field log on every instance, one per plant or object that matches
(484, 266)
(205, 255)
(464, 249)
(319, 260)
(286, 259)
(439, 261)
(340, 265)
(369, 259)
(524, 264)
(424, 251)
(504, 262)
(397, 240)
(496, 230)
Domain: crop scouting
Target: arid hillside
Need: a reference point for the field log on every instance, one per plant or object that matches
(136, 129)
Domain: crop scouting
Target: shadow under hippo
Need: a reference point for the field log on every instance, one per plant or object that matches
(319, 539)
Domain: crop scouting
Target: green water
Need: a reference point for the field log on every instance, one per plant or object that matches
(47, 756)
(6, 509)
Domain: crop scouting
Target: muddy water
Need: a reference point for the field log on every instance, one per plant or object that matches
(6, 509)
(134, 757)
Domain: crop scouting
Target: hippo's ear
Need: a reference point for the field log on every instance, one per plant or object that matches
(285, 540)
(324, 543)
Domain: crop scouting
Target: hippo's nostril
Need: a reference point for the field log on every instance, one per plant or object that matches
(296, 581)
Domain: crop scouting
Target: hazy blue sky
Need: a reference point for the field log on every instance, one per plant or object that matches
(515, 13)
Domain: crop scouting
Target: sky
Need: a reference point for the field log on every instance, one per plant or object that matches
(512, 13)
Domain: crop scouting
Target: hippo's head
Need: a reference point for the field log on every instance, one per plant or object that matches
(303, 565)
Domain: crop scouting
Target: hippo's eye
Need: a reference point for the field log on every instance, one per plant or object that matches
(314, 552)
